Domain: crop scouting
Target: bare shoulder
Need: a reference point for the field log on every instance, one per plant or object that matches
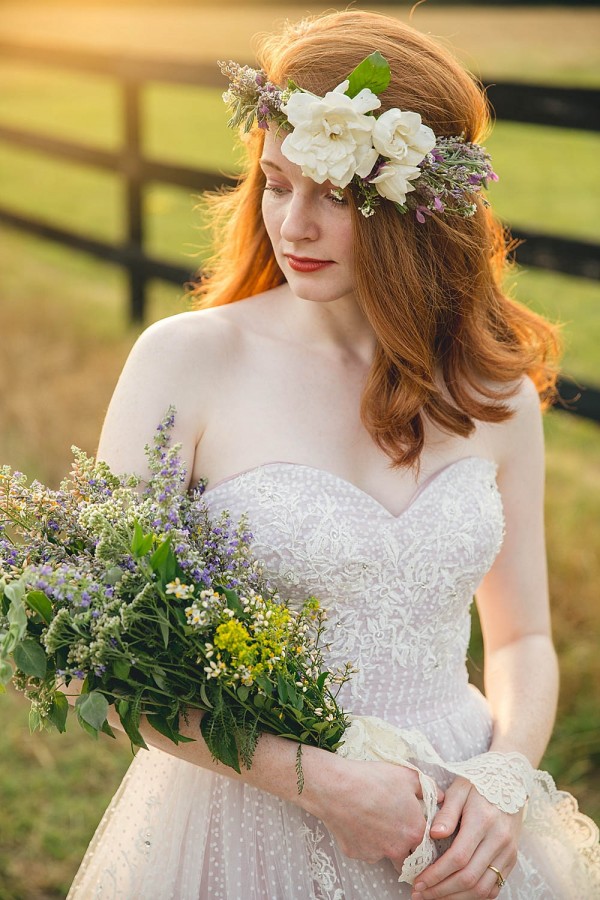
(525, 400)
(206, 334)
(520, 437)
(188, 336)
(524, 403)
(174, 364)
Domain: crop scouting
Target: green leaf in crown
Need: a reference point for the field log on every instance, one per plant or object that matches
(373, 73)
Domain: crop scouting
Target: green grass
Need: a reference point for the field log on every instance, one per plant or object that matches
(83, 109)
(65, 315)
(53, 789)
(546, 179)
(574, 303)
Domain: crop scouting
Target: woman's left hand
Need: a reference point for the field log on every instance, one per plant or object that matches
(486, 837)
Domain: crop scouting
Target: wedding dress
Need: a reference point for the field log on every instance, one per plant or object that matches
(397, 589)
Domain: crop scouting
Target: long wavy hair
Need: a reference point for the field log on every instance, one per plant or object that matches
(451, 345)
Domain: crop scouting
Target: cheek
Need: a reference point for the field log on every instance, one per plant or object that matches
(271, 219)
(345, 239)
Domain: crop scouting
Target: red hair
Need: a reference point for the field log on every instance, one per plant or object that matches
(451, 345)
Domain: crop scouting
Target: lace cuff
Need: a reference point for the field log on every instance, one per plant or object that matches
(504, 779)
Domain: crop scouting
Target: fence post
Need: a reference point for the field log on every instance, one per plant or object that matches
(132, 172)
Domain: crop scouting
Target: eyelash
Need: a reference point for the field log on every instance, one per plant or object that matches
(338, 201)
(278, 191)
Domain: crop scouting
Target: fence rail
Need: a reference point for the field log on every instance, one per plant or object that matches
(540, 105)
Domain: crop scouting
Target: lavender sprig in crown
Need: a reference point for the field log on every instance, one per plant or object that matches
(337, 138)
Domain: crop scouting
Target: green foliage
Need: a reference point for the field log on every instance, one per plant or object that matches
(372, 73)
(299, 769)
(141, 543)
(40, 603)
(168, 729)
(92, 708)
(163, 561)
(59, 711)
(218, 727)
(30, 658)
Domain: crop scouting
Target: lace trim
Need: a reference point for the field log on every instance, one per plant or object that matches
(505, 779)
(575, 829)
(321, 867)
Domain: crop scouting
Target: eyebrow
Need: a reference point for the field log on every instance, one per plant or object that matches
(268, 162)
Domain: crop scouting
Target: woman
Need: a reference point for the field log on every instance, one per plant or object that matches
(373, 405)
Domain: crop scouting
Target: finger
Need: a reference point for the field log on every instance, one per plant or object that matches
(455, 859)
(447, 819)
(466, 895)
(485, 887)
(419, 792)
(475, 880)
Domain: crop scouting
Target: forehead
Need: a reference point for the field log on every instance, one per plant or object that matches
(272, 157)
(274, 162)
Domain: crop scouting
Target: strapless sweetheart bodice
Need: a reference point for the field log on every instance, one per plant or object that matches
(397, 588)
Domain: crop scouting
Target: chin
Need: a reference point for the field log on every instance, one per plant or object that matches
(315, 293)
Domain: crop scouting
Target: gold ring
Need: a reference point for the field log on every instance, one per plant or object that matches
(500, 880)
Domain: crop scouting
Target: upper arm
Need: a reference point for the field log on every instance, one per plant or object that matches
(158, 373)
(513, 597)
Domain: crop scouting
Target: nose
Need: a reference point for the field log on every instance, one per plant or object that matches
(300, 222)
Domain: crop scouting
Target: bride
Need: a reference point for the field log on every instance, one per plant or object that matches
(373, 405)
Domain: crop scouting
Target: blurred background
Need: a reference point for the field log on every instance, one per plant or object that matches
(111, 124)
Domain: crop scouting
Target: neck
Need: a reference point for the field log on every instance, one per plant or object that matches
(338, 326)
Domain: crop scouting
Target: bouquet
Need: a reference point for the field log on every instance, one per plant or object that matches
(157, 609)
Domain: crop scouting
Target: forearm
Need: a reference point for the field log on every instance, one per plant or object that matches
(521, 683)
(273, 767)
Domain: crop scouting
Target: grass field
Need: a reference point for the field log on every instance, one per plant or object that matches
(64, 337)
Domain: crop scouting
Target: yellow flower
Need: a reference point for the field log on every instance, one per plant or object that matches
(235, 638)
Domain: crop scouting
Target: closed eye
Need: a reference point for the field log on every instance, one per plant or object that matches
(337, 199)
(332, 195)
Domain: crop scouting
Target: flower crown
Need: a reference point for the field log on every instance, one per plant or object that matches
(337, 138)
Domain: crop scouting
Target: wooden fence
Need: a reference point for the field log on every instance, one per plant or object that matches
(541, 105)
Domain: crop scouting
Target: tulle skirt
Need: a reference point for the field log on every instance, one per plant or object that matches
(174, 831)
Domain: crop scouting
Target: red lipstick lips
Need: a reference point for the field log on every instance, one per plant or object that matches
(306, 264)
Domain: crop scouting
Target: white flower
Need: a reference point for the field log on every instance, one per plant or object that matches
(331, 139)
(393, 181)
(401, 136)
(181, 591)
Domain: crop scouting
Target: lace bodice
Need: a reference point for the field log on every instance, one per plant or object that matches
(397, 589)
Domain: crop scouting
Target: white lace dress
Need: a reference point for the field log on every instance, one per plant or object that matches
(398, 591)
